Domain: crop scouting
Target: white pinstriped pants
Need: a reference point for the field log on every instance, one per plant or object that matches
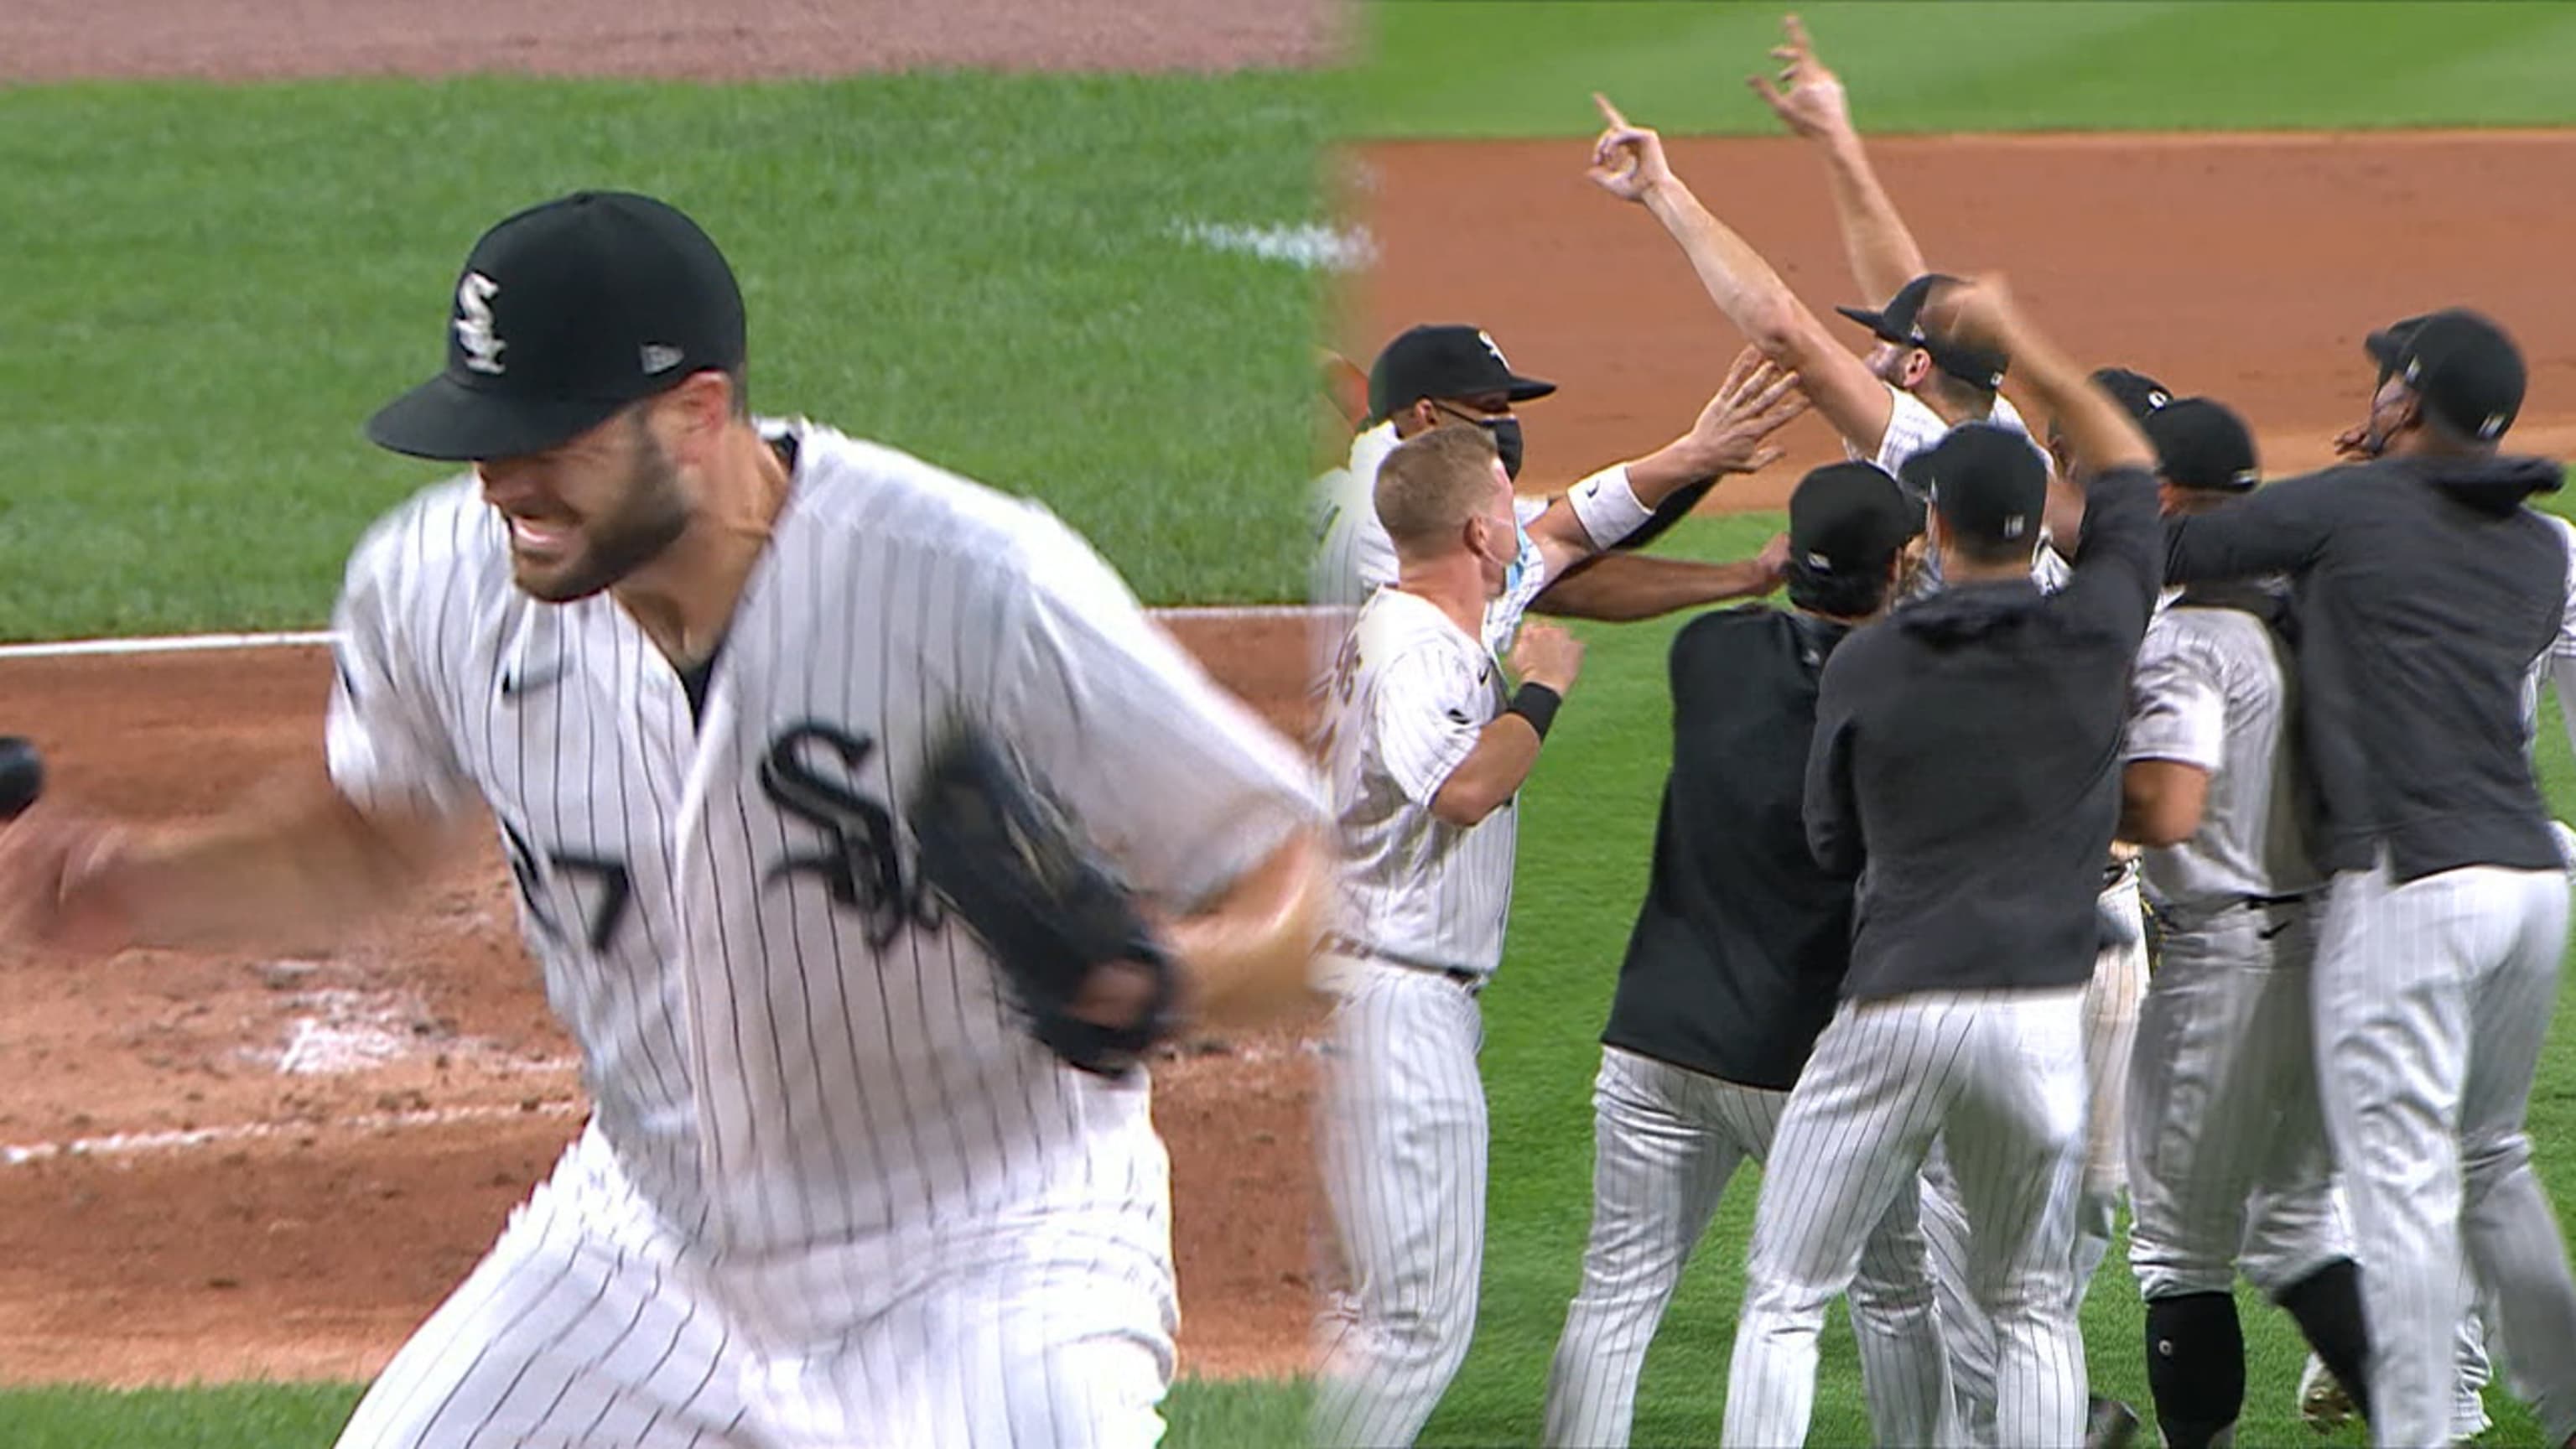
(2111, 1004)
(2432, 1001)
(2000, 1076)
(588, 1325)
(1404, 1142)
(2228, 1163)
(1665, 1141)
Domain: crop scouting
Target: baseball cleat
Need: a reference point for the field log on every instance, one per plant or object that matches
(2110, 1424)
(2469, 1418)
(2323, 1405)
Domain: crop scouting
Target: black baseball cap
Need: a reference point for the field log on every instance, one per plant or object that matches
(1444, 359)
(2203, 444)
(1850, 518)
(565, 313)
(1901, 322)
(2139, 393)
(1985, 480)
(2464, 367)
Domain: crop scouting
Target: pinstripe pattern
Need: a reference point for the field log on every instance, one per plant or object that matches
(2432, 1000)
(568, 1333)
(1404, 1141)
(1665, 1141)
(793, 1061)
(1354, 557)
(2110, 1016)
(1999, 1075)
(2227, 1142)
(1414, 696)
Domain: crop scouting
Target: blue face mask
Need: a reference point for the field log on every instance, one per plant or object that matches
(1521, 546)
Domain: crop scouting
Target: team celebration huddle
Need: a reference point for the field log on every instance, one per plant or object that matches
(2097, 826)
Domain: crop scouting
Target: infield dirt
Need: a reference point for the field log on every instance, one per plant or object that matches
(371, 1115)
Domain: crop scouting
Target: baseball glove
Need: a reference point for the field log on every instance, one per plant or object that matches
(1010, 863)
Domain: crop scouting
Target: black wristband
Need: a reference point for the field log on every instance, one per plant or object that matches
(1536, 703)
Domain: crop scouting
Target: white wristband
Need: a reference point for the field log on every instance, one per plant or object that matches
(1607, 506)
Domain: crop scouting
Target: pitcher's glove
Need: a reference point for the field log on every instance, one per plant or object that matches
(1051, 911)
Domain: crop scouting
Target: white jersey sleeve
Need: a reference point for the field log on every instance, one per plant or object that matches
(1175, 778)
(386, 745)
(2177, 704)
(1353, 555)
(1426, 712)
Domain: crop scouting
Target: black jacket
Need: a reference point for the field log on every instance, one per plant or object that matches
(1967, 765)
(2425, 591)
(1741, 942)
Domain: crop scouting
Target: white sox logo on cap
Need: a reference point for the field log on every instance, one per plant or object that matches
(474, 323)
(1491, 346)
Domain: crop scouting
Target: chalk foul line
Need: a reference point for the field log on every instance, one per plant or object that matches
(138, 1144)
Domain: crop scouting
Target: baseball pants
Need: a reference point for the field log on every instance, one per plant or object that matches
(590, 1324)
(1666, 1140)
(2432, 999)
(2223, 1112)
(2111, 1005)
(1999, 1076)
(1404, 1140)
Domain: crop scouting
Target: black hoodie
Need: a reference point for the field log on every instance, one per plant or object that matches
(1967, 765)
(2425, 590)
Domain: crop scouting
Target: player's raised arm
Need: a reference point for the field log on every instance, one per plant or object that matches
(1628, 162)
(1731, 435)
(1809, 99)
(1624, 588)
(1506, 750)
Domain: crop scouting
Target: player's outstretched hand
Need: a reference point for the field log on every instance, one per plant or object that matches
(1979, 312)
(2354, 444)
(1627, 161)
(1758, 399)
(1808, 98)
(47, 856)
(1774, 559)
(1547, 654)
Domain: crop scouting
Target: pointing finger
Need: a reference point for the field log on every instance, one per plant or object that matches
(1797, 29)
(1609, 112)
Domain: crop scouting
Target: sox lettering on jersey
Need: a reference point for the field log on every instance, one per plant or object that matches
(862, 865)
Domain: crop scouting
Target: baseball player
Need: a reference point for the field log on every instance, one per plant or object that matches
(830, 1193)
(2223, 1111)
(1809, 98)
(2427, 593)
(1962, 769)
(1733, 967)
(1442, 373)
(1413, 740)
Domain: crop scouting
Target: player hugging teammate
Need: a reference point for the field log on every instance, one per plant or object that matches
(1895, 941)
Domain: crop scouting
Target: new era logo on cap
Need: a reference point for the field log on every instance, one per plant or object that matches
(661, 356)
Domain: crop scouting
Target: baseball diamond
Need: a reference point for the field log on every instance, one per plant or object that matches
(218, 1166)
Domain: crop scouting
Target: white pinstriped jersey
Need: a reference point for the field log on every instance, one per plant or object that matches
(2213, 689)
(1912, 427)
(1411, 694)
(784, 1044)
(1354, 558)
(2558, 661)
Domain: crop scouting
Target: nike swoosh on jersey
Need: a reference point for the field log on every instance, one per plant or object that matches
(517, 683)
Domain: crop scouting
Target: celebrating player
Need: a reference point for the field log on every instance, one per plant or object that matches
(2429, 595)
(1962, 769)
(830, 1194)
(1734, 966)
(1424, 756)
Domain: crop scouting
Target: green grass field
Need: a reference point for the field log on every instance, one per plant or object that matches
(1500, 68)
(211, 287)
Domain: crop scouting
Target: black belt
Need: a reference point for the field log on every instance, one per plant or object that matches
(1345, 946)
